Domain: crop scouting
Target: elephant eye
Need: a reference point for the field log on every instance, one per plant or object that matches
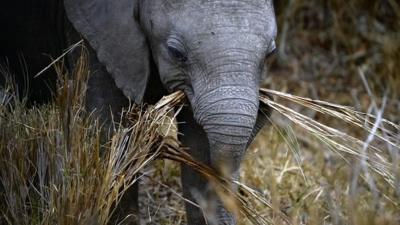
(271, 53)
(176, 48)
(177, 54)
(271, 50)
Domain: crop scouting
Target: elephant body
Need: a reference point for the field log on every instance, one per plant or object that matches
(139, 50)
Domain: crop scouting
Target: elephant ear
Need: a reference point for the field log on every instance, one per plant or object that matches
(113, 32)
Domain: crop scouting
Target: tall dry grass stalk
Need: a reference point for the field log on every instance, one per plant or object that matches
(369, 156)
(377, 159)
(56, 167)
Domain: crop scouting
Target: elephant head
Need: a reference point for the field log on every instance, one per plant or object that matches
(213, 50)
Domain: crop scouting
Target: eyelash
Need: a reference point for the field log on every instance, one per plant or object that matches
(177, 53)
(271, 53)
(176, 48)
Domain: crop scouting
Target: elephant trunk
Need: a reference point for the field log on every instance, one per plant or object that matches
(228, 114)
(225, 103)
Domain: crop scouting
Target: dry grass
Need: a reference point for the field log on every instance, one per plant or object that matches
(57, 169)
(324, 161)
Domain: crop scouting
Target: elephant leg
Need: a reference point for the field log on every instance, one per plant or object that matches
(106, 101)
(195, 187)
(127, 211)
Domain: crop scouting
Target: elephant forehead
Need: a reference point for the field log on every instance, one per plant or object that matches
(182, 4)
(226, 16)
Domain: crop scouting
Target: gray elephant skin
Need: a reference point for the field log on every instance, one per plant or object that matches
(213, 50)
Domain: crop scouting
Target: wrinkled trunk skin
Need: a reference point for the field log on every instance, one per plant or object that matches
(227, 114)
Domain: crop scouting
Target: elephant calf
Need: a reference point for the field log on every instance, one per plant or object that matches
(213, 50)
